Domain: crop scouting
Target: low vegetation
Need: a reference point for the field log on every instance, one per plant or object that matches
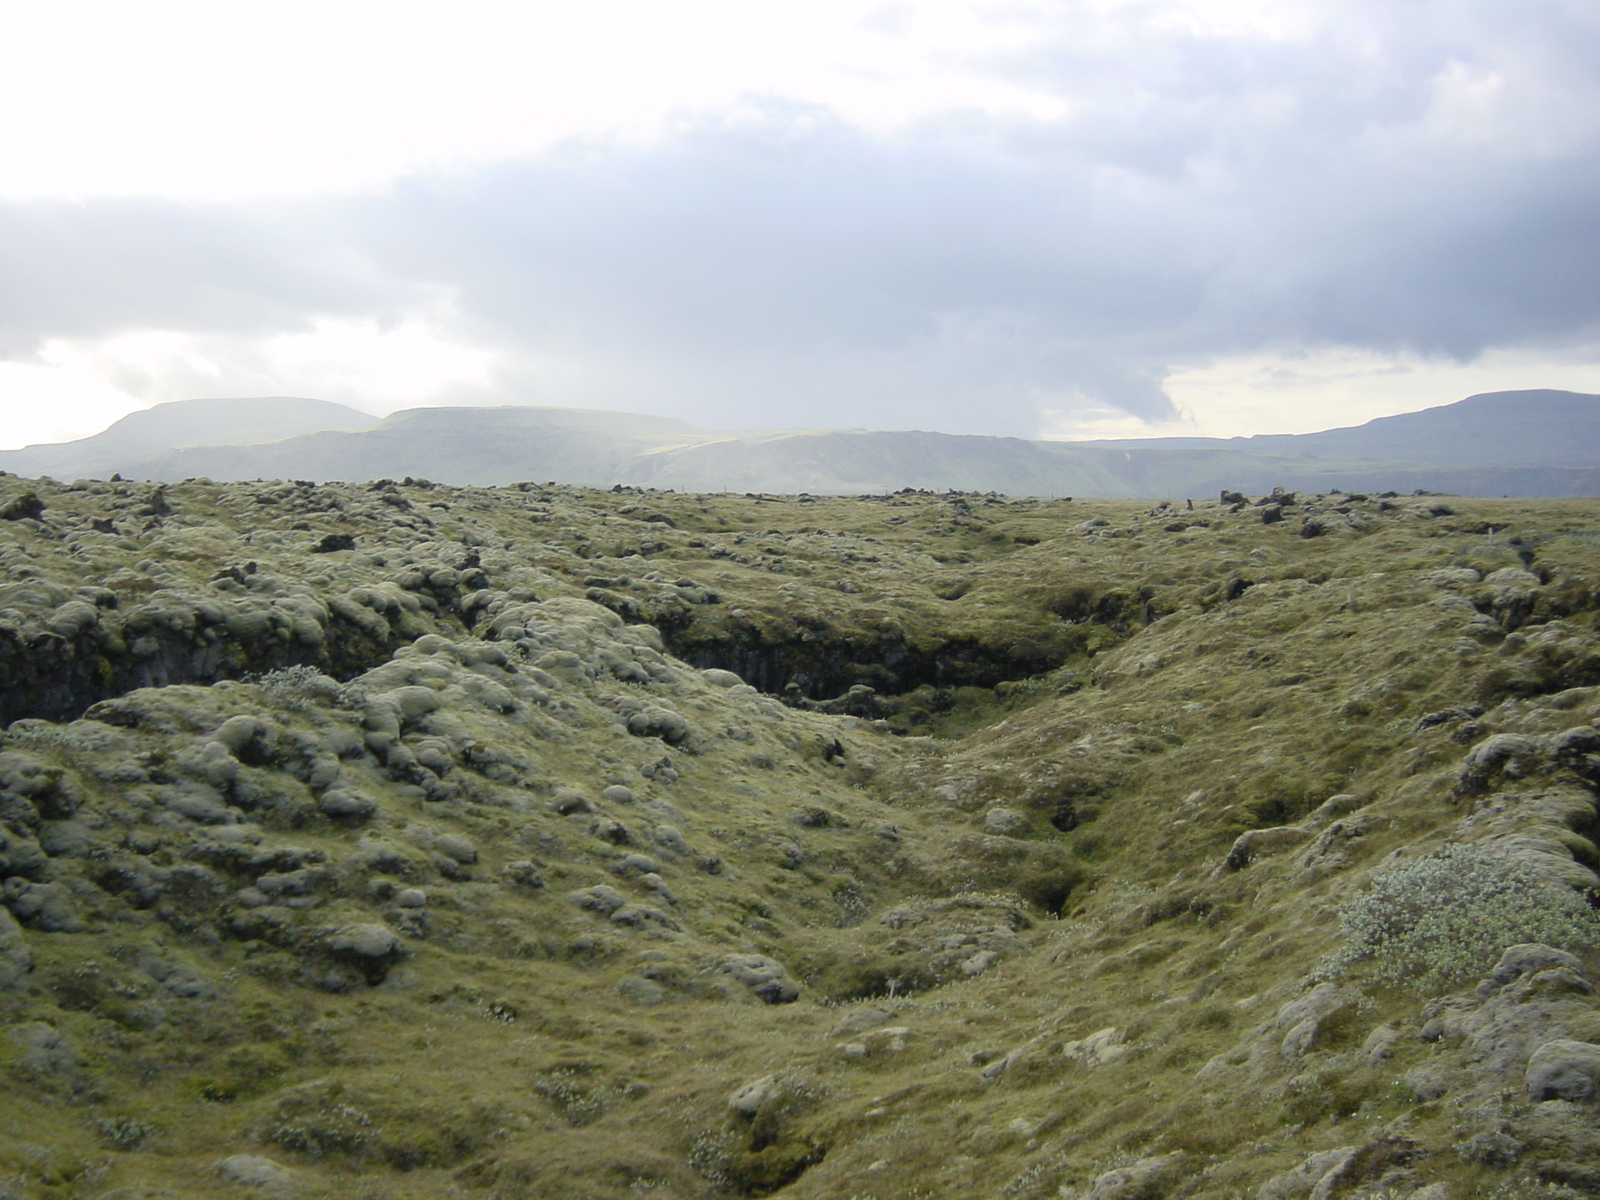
(399, 840)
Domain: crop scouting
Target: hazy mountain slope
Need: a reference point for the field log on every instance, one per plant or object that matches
(1534, 428)
(181, 423)
(1193, 472)
(862, 461)
(1509, 443)
(1539, 428)
(452, 445)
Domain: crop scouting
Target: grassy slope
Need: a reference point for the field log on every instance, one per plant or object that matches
(508, 1054)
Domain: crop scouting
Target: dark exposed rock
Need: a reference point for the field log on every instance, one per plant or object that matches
(27, 506)
(1564, 1070)
(766, 978)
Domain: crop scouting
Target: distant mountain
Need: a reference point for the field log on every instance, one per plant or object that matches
(856, 461)
(1535, 428)
(451, 445)
(140, 435)
(1527, 443)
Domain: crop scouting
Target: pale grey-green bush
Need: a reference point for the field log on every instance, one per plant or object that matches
(1444, 918)
(298, 687)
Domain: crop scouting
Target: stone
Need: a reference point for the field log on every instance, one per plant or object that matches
(668, 838)
(1427, 1082)
(1301, 1180)
(1005, 822)
(1257, 843)
(599, 899)
(659, 886)
(1099, 1048)
(366, 941)
(1335, 1172)
(861, 1020)
(1526, 958)
(414, 701)
(1303, 1018)
(1138, 1180)
(748, 1099)
(20, 854)
(659, 723)
(16, 959)
(455, 846)
(43, 1055)
(1380, 1044)
(1571, 1177)
(372, 949)
(197, 801)
(27, 506)
(46, 907)
(765, 977)
(978, 963)
(617, 794)
(566, 802)
(1500, 752)
(636, 989)
(642, 915)
(1564, 1070)
(346, 806)
(523, 873)
(1491, 1147)
(254, 1171)
(236, 733)
(717, 677)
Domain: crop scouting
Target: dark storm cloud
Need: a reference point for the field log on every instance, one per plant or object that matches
(1423, 177)
(790, 261)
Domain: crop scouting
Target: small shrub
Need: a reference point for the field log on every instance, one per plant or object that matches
(1444, 918)
(297, 688)
(574, 1094)
(316, 1121)
(121, 1133)
(40, 734)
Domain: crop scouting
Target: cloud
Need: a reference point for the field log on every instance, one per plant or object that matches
(1418, 179)
(101, 268)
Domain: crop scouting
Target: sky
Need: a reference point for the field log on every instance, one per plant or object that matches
(1038, 218)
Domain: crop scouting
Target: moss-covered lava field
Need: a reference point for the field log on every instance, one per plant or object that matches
(397, 840)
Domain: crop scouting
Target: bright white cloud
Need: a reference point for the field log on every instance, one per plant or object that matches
(50, 402)
(1303, 392)
(74, 388)
(206, 100)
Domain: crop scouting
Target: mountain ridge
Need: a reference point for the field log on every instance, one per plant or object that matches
(1538, 442)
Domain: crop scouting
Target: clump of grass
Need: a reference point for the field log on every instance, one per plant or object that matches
(1444, 918)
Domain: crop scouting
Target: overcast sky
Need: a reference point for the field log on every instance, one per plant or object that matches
(1024, 218)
